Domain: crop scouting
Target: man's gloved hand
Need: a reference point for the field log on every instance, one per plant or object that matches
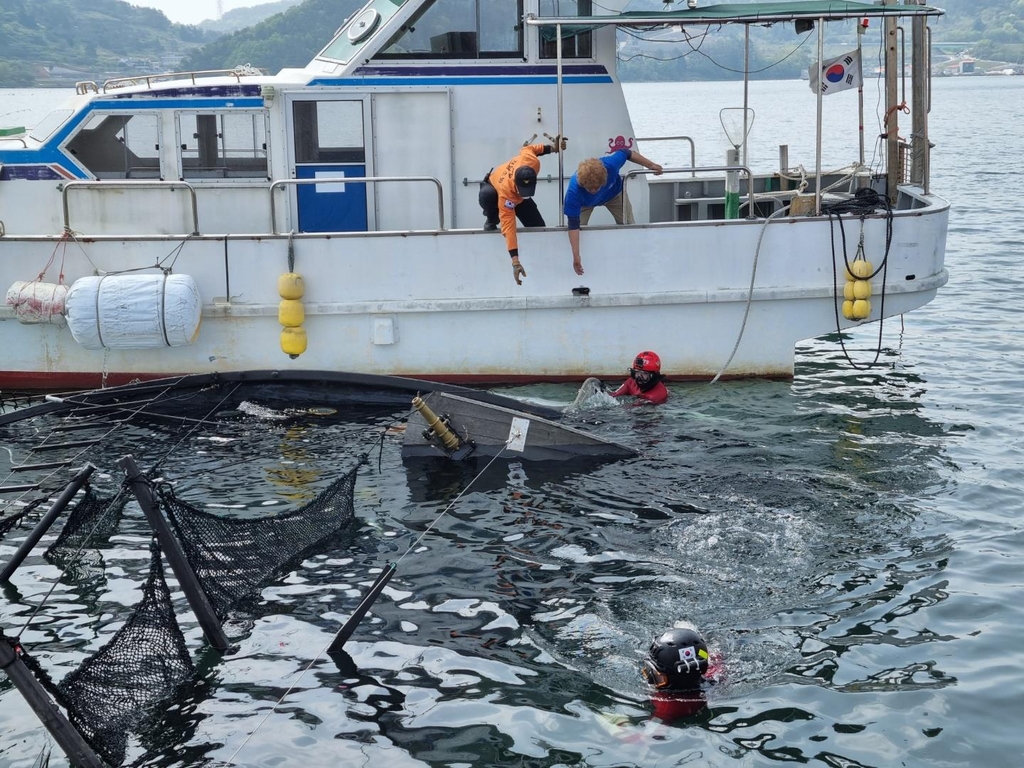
(558, 143)
(518, 271)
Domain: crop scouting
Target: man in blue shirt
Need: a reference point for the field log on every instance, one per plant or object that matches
(597, 182)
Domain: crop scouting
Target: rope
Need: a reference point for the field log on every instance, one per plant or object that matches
(409, 549)
(866, 201)
(750, 291)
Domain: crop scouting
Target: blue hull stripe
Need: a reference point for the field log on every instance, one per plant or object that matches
(367, 82)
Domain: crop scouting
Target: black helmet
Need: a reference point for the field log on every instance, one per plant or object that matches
(526, 180)
(676, 660)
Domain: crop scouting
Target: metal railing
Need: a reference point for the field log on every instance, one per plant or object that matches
(108, 184)
(280, 183)
(693, 147)
(703, 169)
(122, 82)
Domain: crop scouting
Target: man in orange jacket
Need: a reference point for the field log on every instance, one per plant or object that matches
(507, 193)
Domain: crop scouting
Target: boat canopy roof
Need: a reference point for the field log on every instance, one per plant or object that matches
(748, 13)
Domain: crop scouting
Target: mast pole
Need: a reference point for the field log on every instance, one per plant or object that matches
(746, 88)
(561, 128)
(892, 140)
(921, 77)
(862, 27)
(817, 143)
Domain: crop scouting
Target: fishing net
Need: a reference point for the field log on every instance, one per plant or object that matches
(115, 692)
(234, 557)
(93, 521)
(7, 523)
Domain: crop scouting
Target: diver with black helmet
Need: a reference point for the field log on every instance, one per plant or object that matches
(676, 667)
(645, 380)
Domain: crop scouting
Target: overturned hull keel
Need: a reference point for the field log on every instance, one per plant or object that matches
(457, 428)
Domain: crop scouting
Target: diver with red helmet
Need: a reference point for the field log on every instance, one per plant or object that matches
(676, 667)
(645, 380)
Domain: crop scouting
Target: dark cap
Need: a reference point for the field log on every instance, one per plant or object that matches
(526, 180)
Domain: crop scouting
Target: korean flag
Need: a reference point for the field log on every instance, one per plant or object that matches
(836, 74)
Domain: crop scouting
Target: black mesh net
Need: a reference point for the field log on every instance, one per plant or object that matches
(233, 557)
(10, 521)
(115, 691)
(92, 522)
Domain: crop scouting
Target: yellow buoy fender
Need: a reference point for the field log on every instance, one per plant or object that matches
(293, 341)
(848, 310)
(861, 269)
(861, 289)
(290, 286)
(861, 309)
(848, 291)
(291, 313)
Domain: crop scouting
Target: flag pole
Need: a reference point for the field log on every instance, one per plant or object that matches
(817, 158)
(861, 29)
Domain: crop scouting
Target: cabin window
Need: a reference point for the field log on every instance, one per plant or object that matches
(577, 43)
(328, 132)
(460, 29)
(121, 146)
(222, 145)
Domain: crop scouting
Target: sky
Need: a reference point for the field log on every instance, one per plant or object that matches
(194, 11)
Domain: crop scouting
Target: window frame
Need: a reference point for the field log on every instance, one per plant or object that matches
(179, 153)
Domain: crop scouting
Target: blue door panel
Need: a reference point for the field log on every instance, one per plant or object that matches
(331, 207)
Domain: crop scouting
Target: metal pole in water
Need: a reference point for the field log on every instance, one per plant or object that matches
(47, 520)
(66, 735)
(364, 605)
(171, 547)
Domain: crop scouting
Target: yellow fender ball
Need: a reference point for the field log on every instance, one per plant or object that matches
(861, 309)
(848, 310)
(290, 286)
(293, 341)
(848, 291)
(291, 313)
(861, 269)
(861, 289)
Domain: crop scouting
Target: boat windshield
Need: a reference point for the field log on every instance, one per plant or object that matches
(49, 124)
(459, 29)
(359, 28)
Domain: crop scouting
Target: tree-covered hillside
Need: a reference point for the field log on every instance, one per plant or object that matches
(993, 29)
(39, 38)
(59, 41)
(289, 39)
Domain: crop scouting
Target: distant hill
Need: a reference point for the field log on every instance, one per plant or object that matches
(240, 18)
(993, 29)
(56, 42)
(289, 39)
(59, 41)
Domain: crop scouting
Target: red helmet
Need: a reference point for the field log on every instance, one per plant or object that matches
(647, 361)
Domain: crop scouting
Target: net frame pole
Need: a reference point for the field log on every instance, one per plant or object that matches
(357, 615)
(45, 522)
(73, 744)
(172, 550)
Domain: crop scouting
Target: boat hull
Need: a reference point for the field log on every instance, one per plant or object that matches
(455, 313)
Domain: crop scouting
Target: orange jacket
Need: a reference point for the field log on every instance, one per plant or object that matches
(503, 179)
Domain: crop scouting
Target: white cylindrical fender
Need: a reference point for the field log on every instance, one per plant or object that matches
(134, 311)
(37, 302)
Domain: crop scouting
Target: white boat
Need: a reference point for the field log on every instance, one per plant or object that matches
(178, 210)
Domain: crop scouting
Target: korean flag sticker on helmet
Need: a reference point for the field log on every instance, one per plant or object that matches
(687, 659)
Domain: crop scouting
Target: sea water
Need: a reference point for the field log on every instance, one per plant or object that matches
(849, 542)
